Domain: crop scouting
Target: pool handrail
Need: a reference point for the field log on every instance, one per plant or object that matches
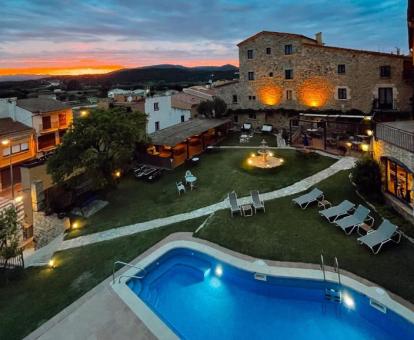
(128, 265)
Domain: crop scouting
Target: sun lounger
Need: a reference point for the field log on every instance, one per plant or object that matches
(313, 196)
(349, 223)
(257, 202)
(333, 213)
(267, 128)
(386, 232)
(246, 127)
(234, 206)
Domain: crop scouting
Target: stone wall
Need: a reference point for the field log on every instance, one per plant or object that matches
(315, 80)
(381, 148)
(46, 228)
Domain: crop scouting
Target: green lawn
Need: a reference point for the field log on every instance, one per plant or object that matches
(218, 173)
(234, 139)
(288, 233)
(29, 301)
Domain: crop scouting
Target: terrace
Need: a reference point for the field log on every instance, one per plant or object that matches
(283, 233)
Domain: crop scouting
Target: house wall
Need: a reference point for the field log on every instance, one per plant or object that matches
(20, 157)
(315, 77)
(166, 115)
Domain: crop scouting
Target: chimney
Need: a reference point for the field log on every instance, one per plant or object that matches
(318, 38)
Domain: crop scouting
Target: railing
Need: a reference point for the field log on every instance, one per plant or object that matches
(128, 265)
(14, 262)
(49, 127)
(337, 270)
(323, 268)
(398, 137)
(385, 106)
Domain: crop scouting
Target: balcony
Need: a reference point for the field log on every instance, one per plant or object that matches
(385, 106)
(53, 126)
(393, 135)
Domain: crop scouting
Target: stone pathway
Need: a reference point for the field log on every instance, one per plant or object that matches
(342, 164)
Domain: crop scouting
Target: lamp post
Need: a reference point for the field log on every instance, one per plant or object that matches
(6, 142)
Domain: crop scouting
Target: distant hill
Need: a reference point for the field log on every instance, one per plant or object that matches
(20, 77)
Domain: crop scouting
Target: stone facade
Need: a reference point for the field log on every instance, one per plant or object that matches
(381, 149)
(46, 228)
(315, 78)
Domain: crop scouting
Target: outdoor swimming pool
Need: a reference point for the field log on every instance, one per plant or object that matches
(200, 297)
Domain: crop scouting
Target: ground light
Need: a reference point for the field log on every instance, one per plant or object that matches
(83, 113)
(348, 300)
(51, 263)
(370, 132)
(365, 147)
(218, 271)
(75, 225)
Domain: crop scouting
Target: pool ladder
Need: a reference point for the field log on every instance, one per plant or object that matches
(332, 293)
(116, 263)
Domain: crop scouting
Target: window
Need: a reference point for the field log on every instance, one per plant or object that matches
(46, 123)
(288, 49)
(341, 69)
(288, 74)
(252, 115)
(271, 74)
(234, 99)
(156, 107)
(385, 71)
(342, 94)
(249, 54)
(62, 119)
(399, 181)
(182, 118)
(157, 126)
(16, 148)
(289, 94)
(268, 50)
(252, 97)
(236, 118)
(250, 76)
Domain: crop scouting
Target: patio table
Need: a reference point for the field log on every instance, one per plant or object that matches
(191, 180)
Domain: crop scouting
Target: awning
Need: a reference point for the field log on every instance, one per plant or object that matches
(178, 133)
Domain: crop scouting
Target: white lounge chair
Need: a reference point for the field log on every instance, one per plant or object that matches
(385, 233)
(257, 202)
(306, 199)
(333, 213)
(360, 216)
(234, 205)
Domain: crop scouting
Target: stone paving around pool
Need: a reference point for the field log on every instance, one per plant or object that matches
(38, 258)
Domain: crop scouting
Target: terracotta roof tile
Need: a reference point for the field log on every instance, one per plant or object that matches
(36, 105)
(293, 35)
(9, 127)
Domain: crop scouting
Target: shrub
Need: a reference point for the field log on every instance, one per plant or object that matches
(367, 177)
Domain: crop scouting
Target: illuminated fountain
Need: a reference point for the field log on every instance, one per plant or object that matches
(264, 158)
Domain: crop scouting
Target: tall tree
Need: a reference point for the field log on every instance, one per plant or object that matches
(215, 108)
(9, 233)
(97, 146)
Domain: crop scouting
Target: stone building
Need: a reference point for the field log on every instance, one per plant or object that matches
(294, 72)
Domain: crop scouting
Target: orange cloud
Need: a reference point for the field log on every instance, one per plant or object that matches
(54, 71)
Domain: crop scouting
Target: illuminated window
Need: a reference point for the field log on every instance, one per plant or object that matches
(249, 54)
(268, 50)
(289, 74)
(342, 93)
(341, 69)
(288, 49)
(250, 76)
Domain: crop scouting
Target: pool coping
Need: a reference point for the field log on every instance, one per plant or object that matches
(273, 268)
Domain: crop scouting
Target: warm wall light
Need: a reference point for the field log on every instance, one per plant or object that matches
(348, 144)
(18, 199)
(314, 92)
(270, 94)
(118, 173)
(370, 132)
(5, 142)
(84, 113)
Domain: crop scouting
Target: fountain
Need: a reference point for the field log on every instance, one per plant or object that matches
(264, 159)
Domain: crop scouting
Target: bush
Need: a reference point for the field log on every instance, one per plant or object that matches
(367, 177)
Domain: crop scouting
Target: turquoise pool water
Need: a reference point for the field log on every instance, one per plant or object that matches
(199, 297)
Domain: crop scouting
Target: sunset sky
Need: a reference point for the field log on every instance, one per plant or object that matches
(92, 36)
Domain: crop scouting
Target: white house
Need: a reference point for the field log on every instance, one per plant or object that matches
(162, 114)
(114, 92)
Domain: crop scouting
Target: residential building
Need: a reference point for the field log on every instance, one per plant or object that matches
(49, 118)
(295, 72)
(17, 145)
(186, 102)
(162, 114)
(410, 21)
(115, 92)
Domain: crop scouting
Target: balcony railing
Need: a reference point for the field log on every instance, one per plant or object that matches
(52, 126)
(390, 106)
(397, 137)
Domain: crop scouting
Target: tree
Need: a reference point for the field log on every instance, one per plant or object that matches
(97, 146)
(367, 177)
(212, 108)
(9, 234)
